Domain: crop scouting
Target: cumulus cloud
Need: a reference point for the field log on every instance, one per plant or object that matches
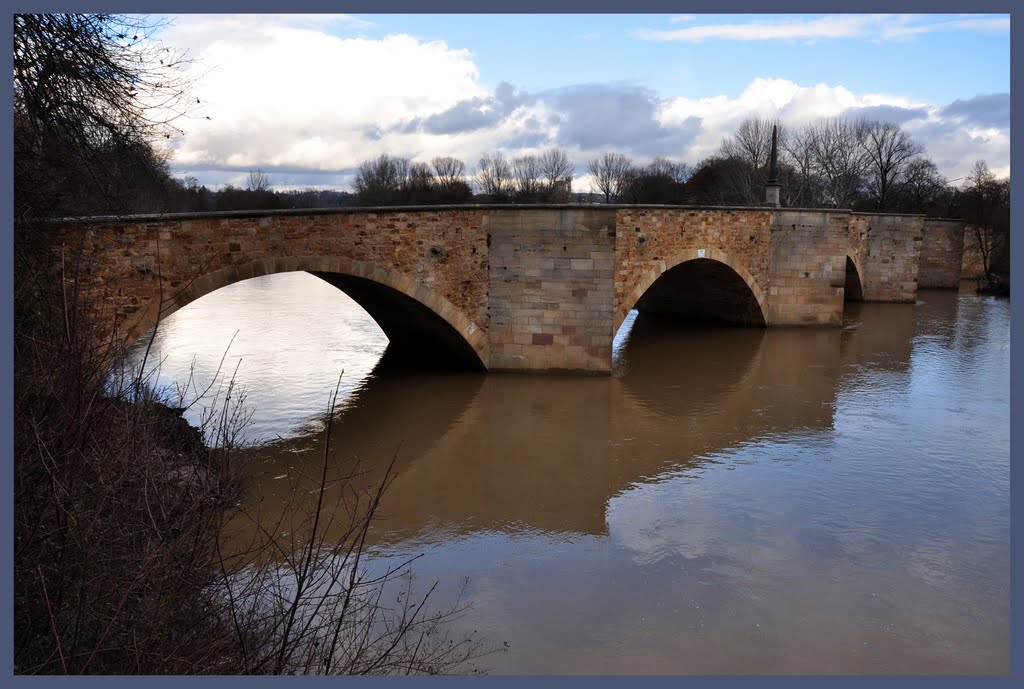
(988, 110)
(471, 114)
(625, 118)
(308, 106)
(954, 136)
(280, 93)
(887, 113)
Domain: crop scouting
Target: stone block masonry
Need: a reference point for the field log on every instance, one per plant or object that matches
(891, 255)
(941, 252)
(551, 282)
(652, 241)
(523, 288)
(808, 267)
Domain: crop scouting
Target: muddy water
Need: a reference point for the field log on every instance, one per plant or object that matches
(729, 501)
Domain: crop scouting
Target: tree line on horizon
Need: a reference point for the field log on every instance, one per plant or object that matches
(864, 165)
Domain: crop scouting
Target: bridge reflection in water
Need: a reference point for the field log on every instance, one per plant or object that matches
(729, 500)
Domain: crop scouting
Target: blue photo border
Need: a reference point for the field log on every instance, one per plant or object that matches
(1015, 678)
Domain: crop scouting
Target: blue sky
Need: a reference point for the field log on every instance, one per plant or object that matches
(308, 97)
(562, 48)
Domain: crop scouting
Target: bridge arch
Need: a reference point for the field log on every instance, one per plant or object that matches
(705, 262)
(418, 322)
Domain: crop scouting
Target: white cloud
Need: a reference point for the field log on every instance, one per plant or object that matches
(841, 26)
(879, 27)
(284, 92)
(906, 26)
(953, 146)
(285, 95)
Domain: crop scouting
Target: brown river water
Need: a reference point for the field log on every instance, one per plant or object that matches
(728, 501)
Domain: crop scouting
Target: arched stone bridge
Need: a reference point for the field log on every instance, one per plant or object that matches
(522, 287)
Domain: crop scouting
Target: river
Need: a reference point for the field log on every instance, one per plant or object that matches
(728, 501)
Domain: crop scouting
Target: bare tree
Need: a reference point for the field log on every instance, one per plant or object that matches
(421, 176)
(750, 146)
(840, 160)
(889, 150)
(556, 170)
(526, 177)
(494, 176)
(987, 212)
(679, 173)
(752, 142)
(257, 181)
(798, 151)
(382, 180)
(92, 92)
(921, 187)
(609, 172)
(450, 171)
(660, 181)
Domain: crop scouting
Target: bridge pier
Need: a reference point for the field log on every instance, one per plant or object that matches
(551, 286)
(941, 254)
(808, 269)
(887, 249)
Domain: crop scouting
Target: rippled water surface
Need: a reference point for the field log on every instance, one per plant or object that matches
(728, 501)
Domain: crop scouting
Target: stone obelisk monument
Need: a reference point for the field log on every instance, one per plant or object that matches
(771, 187)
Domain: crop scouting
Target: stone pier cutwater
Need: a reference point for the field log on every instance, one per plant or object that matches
(523, 288)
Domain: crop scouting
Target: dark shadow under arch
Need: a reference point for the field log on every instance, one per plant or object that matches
(703, 290)
(852, 288)
(417, 337)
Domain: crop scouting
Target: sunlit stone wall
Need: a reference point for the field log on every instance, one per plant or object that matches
(551, 278)
(136, 269)
(808, 269)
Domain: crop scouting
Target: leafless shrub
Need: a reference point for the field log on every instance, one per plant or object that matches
(302, 600)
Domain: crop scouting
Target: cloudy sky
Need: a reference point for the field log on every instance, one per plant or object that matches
(307, 98)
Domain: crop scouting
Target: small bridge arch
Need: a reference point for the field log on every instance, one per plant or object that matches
(421, 325)
(743, 301)
(853, 289)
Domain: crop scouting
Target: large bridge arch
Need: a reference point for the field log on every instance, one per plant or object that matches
(418, 322)
(756, 311)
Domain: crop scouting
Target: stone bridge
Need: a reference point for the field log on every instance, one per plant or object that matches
(525, 288)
